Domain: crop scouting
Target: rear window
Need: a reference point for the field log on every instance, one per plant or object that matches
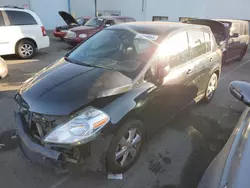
(20, 18)
(197, 43)
(1, 19)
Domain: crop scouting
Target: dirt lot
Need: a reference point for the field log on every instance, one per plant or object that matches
(175, 157)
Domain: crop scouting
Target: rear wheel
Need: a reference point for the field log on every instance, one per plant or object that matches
(211, 87)
(25, 49)
(126, 146)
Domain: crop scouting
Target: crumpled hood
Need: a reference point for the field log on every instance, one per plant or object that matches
(64, 87)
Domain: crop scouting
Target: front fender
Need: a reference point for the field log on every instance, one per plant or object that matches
(126, 103)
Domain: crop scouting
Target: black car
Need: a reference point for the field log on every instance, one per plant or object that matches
(100, 103)
(231, 36)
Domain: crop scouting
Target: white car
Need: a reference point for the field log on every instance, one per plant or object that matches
(21, 32)
(3, 68)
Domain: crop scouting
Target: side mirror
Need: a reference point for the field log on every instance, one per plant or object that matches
(161, 71)
(241, 91)
(235, 35)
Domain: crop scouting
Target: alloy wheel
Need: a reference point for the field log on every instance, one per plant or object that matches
(27, 50)
(128, 147)
(212, 85)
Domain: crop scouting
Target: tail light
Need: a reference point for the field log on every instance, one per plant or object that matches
(43, 31)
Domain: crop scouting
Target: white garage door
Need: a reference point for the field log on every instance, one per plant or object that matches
(47, 10)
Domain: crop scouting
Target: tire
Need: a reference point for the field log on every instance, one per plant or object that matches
(242, 53)
(25, 49)
(212, 85)
(121, 140)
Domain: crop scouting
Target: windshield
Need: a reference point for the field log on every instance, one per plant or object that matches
(121, 50)
(81, 21)
(94, 22)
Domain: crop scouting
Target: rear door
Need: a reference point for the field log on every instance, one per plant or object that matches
(198, 57)
(234, 45)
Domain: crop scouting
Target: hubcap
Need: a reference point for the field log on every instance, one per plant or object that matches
(128, 147)
(27, 50)
(212, 85)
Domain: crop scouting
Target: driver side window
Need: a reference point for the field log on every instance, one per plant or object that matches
(110, 22)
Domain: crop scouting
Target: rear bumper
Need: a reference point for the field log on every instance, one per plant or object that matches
(59, 34)
(73, 41)
(43, 42)
(3, 72)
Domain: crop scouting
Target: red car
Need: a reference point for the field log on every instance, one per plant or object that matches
(76, 35)
(71, 22)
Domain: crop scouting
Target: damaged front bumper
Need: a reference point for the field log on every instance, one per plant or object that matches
(33, 151)
(95, 158)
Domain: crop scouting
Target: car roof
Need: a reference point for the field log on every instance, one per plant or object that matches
(113, 17)
(231, 20)
(156, 27)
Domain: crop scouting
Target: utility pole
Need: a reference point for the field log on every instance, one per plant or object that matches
(96, 8)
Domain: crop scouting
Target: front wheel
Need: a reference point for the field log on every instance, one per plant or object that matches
(126, 146)
(211, 87)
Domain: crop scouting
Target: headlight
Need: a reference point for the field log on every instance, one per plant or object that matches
(71, 34)
(82, 128)
(83, 36)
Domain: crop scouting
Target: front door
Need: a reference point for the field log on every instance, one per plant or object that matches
(176, 92)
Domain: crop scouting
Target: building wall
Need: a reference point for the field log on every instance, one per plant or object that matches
(20, 3)
(82, 8)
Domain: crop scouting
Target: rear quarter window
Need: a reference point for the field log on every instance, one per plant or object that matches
(20, 18)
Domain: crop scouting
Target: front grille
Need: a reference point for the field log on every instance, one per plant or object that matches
(40, 125)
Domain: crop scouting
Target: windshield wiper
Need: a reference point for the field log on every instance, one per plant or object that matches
(81, 63)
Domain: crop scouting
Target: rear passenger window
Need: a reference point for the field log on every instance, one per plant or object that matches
(1, 19)
(176, 49)
(20, 18)
(207, 42)
(197, 43)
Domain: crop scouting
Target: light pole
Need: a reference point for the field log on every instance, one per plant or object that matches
(96, 8)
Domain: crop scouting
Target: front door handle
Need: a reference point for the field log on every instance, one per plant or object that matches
(189, 71)
(211, 59)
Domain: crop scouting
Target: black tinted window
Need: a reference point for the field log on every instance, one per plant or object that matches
(20, 18)
(196, 43)
(1, 19)
(175, 49)
(207, 41)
